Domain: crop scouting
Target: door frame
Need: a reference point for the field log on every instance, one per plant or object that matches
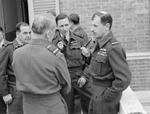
(30, 11)
(2, 15)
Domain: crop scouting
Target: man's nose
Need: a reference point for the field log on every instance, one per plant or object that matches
(92, 30)
(29, 34)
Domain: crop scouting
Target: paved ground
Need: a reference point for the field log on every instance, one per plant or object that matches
(144, 97)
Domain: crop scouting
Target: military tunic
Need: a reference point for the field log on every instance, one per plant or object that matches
(108, 75)
(41, 76)
(75, 59)
(7, 78)
(16, 107)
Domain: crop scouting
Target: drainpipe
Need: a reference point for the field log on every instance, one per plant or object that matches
(30, 11)
(57, 7)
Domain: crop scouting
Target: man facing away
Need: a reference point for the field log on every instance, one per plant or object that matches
(108, 74)
(7, 78)
(76, 28)
(41, 72)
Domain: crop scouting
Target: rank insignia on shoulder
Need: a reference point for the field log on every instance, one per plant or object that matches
(113, 43)
(7, 44)
(56, 52)
(53, 49)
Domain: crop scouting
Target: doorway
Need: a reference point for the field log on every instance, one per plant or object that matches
(12, 12)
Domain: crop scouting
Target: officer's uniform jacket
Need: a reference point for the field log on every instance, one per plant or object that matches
(108, 75)
(16, 44)
(72, 53)
(41, 71)
(16, 107)
(7, 78)
(38, 70)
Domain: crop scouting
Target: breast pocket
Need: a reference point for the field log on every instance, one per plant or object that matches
(76, 54)
(98, 62)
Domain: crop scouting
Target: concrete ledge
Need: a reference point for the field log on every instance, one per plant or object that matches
(130, 104)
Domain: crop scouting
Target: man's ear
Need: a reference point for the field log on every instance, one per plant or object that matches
(17, 33)
(47, 34)
(107, 26)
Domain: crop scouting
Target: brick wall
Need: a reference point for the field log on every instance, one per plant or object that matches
(131, 27)
(131, 19)
(140, 74)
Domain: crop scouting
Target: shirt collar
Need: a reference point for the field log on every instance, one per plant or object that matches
(19, 42)
(105, 39)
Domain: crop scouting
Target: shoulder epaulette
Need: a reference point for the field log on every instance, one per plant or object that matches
(114, 43)
(7, 44)
(54, 50)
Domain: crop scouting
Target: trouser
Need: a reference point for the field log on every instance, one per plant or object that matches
(44, 104)
(2, 106)
(16, 107)
(70, 98)
(100, 104)
(84, 98)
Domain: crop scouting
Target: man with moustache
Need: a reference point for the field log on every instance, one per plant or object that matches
(23, 36)
(108, 74)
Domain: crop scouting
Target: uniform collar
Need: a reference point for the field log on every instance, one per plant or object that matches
(15, 42)
(19, 42)
(39, 41)
(105, 39)
(78, 27)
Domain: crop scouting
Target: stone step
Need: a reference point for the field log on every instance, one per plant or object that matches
(144, 98)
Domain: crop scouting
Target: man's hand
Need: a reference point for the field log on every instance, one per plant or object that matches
(7, 99)
(81, 82)
(85, 51)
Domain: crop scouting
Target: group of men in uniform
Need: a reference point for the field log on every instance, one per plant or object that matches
(60, 63)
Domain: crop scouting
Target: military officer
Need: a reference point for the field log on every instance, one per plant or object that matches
(41, 71)
(23, 36)
(7, 78)
(69, 41)
(76, 28)
(108, 74)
